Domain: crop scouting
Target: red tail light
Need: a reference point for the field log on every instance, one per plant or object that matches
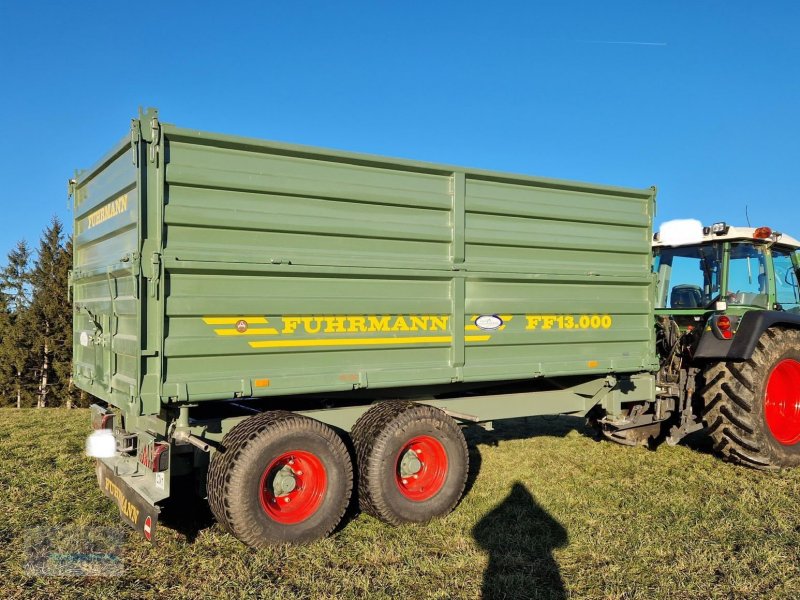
(155, 456)
(724, 326)
(103, 421)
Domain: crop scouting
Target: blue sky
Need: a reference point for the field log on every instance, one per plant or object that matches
(698, 98)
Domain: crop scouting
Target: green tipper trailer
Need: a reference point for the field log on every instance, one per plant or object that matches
(243, 309)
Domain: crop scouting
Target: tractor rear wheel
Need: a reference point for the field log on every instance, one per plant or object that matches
(280, 478)
(752, 408)
(412, 462)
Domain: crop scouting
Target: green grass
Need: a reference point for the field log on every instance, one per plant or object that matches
(550, 514)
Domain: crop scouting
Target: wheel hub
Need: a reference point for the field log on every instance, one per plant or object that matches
(285, 481)
(421, 468)
(782, 402)
(410, 465)
(292, 487)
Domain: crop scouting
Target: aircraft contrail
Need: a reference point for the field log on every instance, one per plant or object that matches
(624, 43)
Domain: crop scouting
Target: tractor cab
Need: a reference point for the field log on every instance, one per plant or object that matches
(725, 270)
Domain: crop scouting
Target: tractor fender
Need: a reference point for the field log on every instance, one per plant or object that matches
(751, 326)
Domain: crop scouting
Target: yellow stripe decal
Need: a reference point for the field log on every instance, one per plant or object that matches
(234, 320)
(255, 331)
(445, 339)
(365, 341)
(255, 326)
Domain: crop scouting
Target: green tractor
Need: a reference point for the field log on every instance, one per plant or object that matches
(728, 338)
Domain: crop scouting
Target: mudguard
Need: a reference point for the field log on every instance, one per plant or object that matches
(751, 326)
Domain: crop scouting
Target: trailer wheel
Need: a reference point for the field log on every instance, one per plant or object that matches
(412, 462)
(281, 478)
(753, 407)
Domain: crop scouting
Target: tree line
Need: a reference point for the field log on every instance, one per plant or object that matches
(36, 324)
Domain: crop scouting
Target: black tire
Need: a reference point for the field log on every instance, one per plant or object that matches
(239, 475)
(736, 404)
(379, 437)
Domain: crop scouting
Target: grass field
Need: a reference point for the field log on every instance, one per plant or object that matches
(549, 513)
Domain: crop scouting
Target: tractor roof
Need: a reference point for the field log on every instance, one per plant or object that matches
(729, 233)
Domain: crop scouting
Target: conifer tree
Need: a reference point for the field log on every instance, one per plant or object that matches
(17, 359)
(16, 364)
(6, 372)
(62, 351)
(36, 324)
(15, 278)
(50, 311)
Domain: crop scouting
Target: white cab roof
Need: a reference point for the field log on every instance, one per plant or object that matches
(739, 233)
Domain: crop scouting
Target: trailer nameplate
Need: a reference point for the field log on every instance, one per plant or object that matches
(110, 210)
(134, 509)
(298, 331)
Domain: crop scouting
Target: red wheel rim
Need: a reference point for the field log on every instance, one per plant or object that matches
(782, 402)
(421, 468)
(292, 487)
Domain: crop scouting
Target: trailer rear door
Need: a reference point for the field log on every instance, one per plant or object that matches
(106, 276)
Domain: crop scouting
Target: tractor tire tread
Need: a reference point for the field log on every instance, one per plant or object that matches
(733, 409)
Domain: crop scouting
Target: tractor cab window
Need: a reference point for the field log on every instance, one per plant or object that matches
(688, 276)
(787, 294)
(747, 276)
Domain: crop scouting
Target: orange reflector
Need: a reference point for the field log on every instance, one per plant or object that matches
(261, 383)
(762, 233)
(592, 364)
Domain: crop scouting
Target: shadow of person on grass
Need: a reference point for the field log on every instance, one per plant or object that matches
(520, 537)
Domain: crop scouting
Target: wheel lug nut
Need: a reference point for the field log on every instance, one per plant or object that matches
(405, 481)
(418, 451)
(298, 473)
(286, 499)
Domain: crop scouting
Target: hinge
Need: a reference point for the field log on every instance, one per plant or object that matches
(156, 278)
(136, 272)
(155, 136)
(136, 137)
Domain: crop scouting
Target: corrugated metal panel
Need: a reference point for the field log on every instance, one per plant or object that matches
(199, 350)
(539, 229)
(306, 246)
(105, 278)
(300, 209)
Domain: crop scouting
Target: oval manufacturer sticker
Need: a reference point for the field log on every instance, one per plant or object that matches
(488, 322)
